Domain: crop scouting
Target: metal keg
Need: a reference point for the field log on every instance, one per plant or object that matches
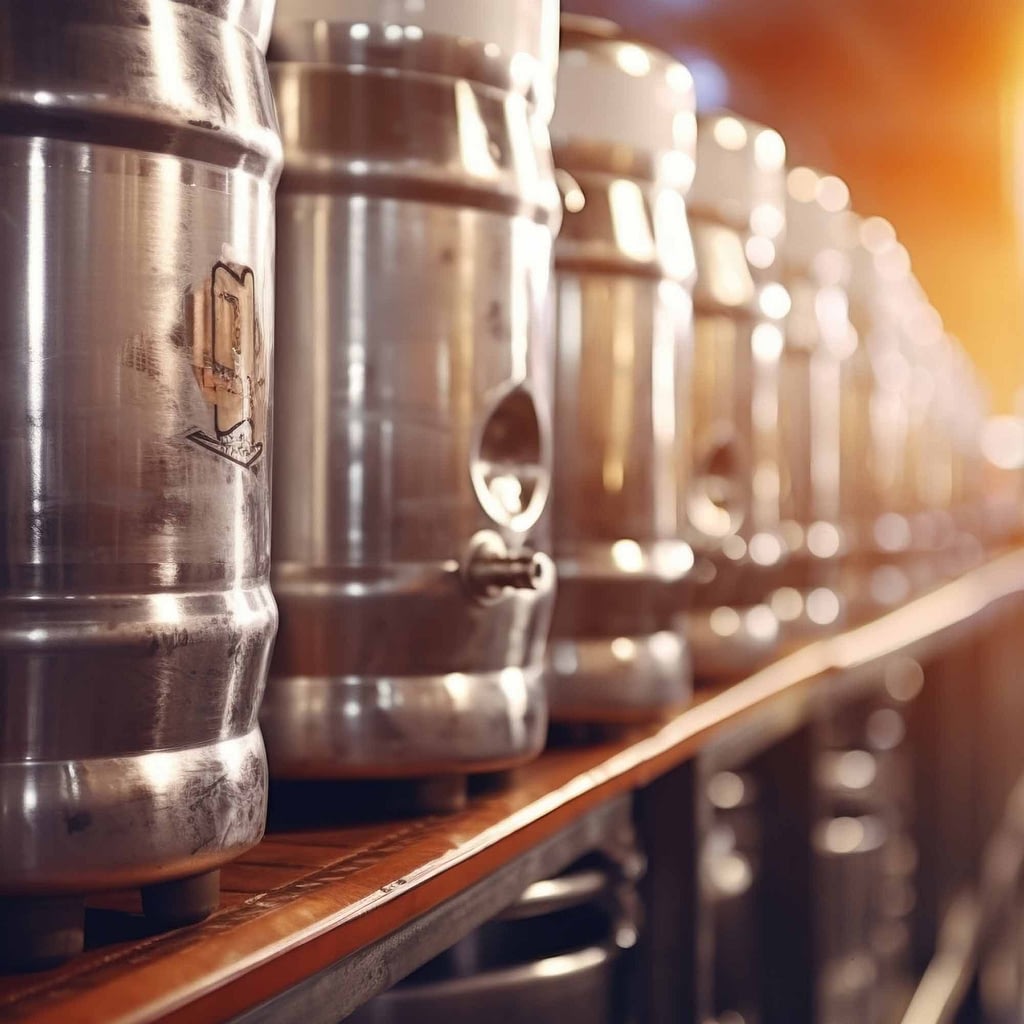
(878, 412)
(818, 339)
(561, 949)
(733, 503)
(624, 138)
(729, 930)
(415, 228)
(966, 407)
(848, 853)
(138, 159)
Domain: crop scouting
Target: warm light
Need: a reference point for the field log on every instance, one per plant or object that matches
(633, 60)
(731, 873)
(886, 729)
(767, 342)
(1002, 442)
(876, 233)
(730, 133)
(677, 165)
(628, 555)
(679, 78)
(574, 200)
(822, 540)
(892, 532)
(843, 835)
(673, 240)
(623, 648)
(676, 559)
(760, 251)
(629, 219)
(802, 184)
(774, 300)
(724, 621)
(723, 260)
(474, 139)
(665, 646)
(856, 769)
(894, 262)
(726, 790)
(833, 193)
(765, 548)
(734, 547)
(904, 679)
(761, 623)
(767, 219)
(787, 604)
(769, 150)
(822, 606)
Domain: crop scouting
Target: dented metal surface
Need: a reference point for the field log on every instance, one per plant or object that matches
(138, 160)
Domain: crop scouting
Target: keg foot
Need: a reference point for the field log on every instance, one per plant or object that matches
(441, 794)
(181, 901)
(491, 782)
(584, 734)
(37, 932)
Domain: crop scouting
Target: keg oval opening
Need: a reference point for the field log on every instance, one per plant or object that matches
(715, 503)
(509, 469)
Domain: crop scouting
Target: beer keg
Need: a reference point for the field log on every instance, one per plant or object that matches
(624, 135)
(561, 949)
(415, 226)
(876, 490)
(819, 338)
(733, 508)
(138, 161)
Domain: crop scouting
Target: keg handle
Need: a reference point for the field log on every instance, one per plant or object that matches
(489, 568)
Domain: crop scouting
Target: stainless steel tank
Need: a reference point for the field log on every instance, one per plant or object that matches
(138, 159)
(415, 231)
(562, 949)
(729, 978)
(737, 215)
(848, 894)
(624, 135)
(880, 419)
(819, 338)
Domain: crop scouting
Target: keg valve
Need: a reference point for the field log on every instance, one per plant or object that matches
(489, 568)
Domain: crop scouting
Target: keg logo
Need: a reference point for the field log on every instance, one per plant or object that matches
(228, 361)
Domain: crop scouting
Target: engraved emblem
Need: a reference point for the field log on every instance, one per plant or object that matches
(229, 364)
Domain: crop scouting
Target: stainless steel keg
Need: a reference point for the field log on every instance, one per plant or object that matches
(414, 246)
(818, 339)
(966, 406)
(624, 138)
(560, 950)
(881, 417)
(729, 981)
(138, 159)
(733, 504)
(848, 893)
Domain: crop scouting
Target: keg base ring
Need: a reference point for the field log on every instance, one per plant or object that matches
(37, 932)
(182, 901)
(403, 727)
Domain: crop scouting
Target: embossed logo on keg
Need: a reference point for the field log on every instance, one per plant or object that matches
(229, 364)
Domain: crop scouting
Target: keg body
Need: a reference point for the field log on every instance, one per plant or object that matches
(734, 504)
(137, 172)
(623, 313)
(415, 250)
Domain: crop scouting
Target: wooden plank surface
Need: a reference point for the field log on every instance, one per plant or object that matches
(333, 878)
